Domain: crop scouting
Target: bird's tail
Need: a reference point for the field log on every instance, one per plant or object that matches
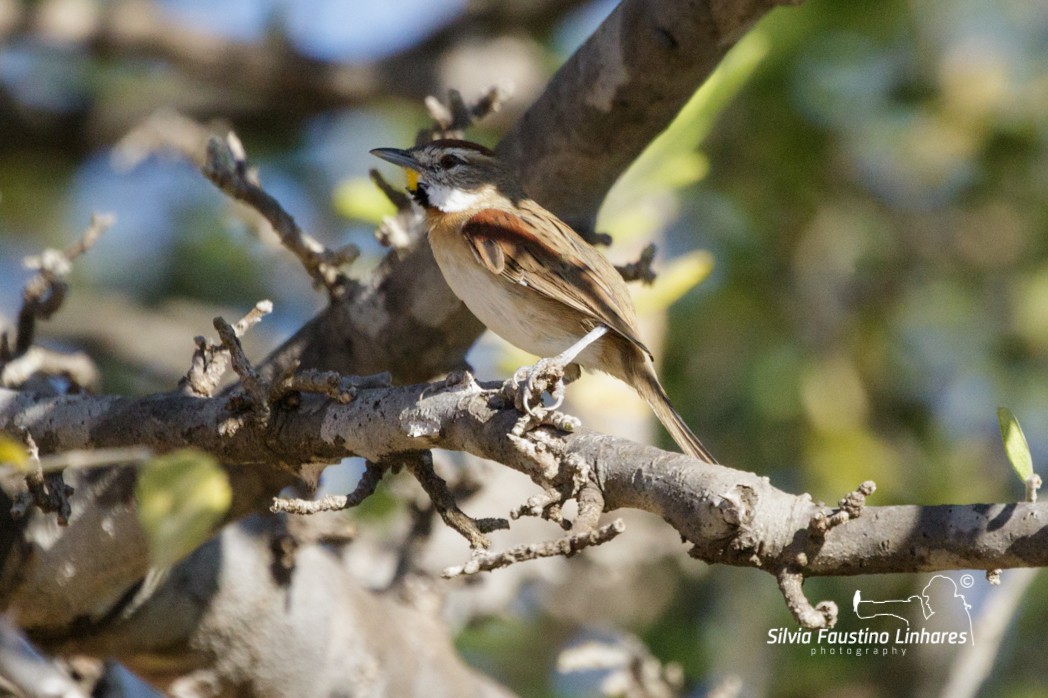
(647, 384)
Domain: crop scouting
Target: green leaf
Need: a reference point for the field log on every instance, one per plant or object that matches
(1015, 444)
(13, 453)
(182, 498)
(359, 198)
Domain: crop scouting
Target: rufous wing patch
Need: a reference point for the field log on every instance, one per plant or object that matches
(563, 269)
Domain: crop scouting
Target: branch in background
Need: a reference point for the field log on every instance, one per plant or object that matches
(641, 270)
(628, 667)
(165, 133)
(615, 94)
(76, 367)
(396, 195)
(453, 117)
(28, 672)
(226, 167)
(404, 228)
(273, 77)
(42, 296)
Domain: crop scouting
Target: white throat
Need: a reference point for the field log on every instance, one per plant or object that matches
(451, 200)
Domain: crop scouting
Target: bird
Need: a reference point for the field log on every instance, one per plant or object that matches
(527, 275)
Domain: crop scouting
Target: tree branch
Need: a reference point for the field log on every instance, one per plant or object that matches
(730, 517)
(272, 76)
(622, 88)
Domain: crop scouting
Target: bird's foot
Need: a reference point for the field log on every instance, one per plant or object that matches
(525, 391)
(530, 382)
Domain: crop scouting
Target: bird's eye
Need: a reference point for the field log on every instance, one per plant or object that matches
(449, 161)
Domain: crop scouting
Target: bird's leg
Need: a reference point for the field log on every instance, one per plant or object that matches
(550, 371)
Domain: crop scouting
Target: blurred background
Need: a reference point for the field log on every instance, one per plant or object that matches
(853, 258)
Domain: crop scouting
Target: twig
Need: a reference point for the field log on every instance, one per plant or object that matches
(164, 132)
(226, 167)
(822, 615)
(591, 506)
(328, 383)
(43, 294)
(1033, 483)
(421, 466)
(251, 383)
(398, 231)
(851, 507)
(210, 360)
(566, 546)
(46, 490)
(78, 367)
(641, 270)
(451, 119)
(396, 197)
(424, 515)
(546, 505)
(366, 487)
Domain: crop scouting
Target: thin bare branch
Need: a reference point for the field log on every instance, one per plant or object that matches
(77, 367)
(822, 615)
(164, 133)
(43, 294)
(566, 546)
(453, 116)
(45, 490)
(226, 166)
(251, 384)
(642, 269)
(210, 360)
(369, 481)
(421, 466)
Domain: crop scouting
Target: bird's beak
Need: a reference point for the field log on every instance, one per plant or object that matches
(403, 158)
(397, 156)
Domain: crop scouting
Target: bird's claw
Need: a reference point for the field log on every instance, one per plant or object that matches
(525, 390)
(532, 381)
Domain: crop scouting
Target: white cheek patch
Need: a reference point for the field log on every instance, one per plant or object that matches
(450, 200)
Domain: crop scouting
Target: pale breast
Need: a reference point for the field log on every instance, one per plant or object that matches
(512, 311)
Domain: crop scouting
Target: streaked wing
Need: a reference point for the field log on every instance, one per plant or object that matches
(566, 270)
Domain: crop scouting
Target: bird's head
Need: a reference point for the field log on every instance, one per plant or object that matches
(452, 175)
